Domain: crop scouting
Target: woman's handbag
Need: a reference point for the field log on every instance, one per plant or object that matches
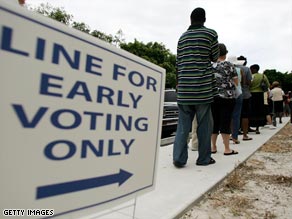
(264, 85)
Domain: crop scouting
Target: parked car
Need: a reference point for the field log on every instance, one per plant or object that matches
(170, 113)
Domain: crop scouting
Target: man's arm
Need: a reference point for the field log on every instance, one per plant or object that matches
(214, 49)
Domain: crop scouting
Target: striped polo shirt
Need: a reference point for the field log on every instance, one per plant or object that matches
(197, 47)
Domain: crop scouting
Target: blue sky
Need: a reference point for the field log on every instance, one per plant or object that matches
(261, 30)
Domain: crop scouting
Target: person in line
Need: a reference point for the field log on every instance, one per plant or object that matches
(258, 115)
(223, 105)
(268, 110)
(246, 95)
(290, 104)
(277, 97)
(287, 111)
(196, 49)
(236, 114)
(194, 141)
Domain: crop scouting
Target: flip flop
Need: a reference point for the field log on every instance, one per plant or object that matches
(214, 152)
(235, 141)
(231, 153)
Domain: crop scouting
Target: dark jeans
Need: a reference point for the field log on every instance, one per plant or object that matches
(236, 117)
(204, 131)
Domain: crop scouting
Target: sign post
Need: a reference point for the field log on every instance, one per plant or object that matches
(80, 119)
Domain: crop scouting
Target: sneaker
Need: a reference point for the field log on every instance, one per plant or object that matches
(274, 123)
(251, 130)
(212, 161)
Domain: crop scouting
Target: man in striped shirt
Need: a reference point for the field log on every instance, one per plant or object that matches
(196, 49)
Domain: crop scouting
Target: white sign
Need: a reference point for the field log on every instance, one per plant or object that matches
(80, 119)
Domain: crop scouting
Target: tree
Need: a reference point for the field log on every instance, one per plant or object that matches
(287, 82)
(285, 79)
(81, 26)
(55, 13)
(119, 38)
(153, 52)
(59, 14)
(157, 54)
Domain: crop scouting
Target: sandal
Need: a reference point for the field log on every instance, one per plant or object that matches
(246, 139)
(214, 151)
(233, 152)
(235, 141)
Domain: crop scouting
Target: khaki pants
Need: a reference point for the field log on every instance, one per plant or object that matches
(194, 140)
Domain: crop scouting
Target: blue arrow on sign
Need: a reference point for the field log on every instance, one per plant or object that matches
(78, 185)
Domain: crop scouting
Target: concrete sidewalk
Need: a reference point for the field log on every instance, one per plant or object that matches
(177, 189)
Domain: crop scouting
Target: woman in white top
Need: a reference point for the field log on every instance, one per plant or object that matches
(277, 97)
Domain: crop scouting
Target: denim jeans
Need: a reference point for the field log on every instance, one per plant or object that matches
(236, 117)
(204, 131)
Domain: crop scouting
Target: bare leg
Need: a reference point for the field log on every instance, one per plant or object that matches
(269, 119)
(244, 127)
(194, 141)
(214, 140)
(225, 138)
